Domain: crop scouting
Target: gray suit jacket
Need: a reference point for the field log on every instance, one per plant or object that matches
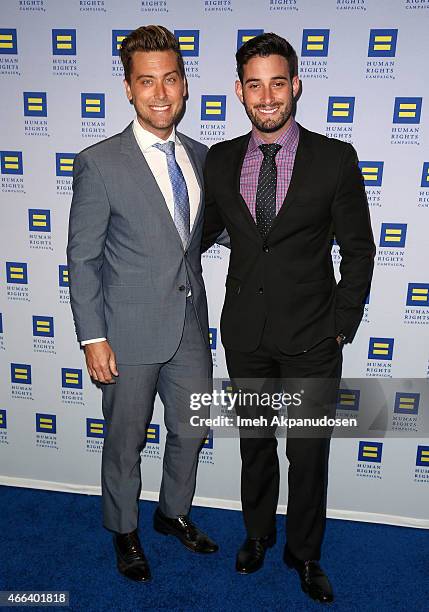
(127, 265)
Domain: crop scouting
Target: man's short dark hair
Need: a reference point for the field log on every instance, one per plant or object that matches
(149, 38)
(263, 46)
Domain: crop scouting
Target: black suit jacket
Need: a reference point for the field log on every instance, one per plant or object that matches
(289, 277)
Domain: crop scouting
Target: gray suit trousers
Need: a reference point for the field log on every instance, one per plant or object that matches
(128, 407)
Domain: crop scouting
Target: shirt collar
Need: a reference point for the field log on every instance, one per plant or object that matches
(287, 139)
(146, 139)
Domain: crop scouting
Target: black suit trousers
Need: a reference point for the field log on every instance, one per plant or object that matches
(315, 376)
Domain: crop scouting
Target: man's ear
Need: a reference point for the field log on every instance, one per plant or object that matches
(239, 91)
(295, 86)
(128, 91)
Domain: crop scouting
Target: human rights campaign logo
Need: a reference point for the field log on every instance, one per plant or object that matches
(93, 105)
(11, 162)
(208, 442)
(340, 109)
(422, 458)
(95, 428)
(348, 399)
(20, 373)
(406, 403)
(425, 175)
(393, 235)
(8, 41)
(64, 42)
(372, 172)
(370, 451)
(382, 43)
(243, 36)
(63, 276)
(39, 220)
(213, 108)
(407, 110)
(418, 294)
(16, 272)
(315, 43)
(64, 164)
(46, 423)
(213, 338)
(189, 42)
(3, 419)
(43, 326)
(117, 38)
(35, 104)
(381, 348)
(71, 378)
(152, 434)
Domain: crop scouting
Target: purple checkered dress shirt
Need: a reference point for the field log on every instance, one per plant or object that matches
(285, 159)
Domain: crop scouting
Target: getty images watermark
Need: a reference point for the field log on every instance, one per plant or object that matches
(234, 408)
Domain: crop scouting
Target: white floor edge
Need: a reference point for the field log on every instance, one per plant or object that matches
(224, 504)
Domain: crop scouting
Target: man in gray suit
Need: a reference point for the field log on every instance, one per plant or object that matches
(138, 296)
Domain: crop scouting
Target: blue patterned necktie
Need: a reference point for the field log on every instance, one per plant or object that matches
(266, 191)
(180, 191)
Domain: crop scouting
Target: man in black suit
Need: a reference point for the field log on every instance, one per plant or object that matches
(282, 192)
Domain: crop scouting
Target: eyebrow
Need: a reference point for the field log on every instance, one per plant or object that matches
(152, 76)
(274, 78)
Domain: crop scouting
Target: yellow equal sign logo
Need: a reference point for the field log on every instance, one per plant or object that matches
(419, 295)
(97, 428)
(119, 39)
(381, 348)
(6, 41)
(392, 235)
(406, 403)
(11, 162)
(369, 451)
(16, 272)
(21, 373)
(46, 423)
(383, 42)
(187, 43)
(43, 326)
(72, 378)
(40, 220)
(35, 104)
(64, 41)
(340, 109)
(92, 105)
(370, 173)
(213, 107)
(407, 109)
(315, 42)
(66, 164)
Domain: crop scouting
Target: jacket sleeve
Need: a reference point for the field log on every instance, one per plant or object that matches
(352, 228)
(88, 226)
(214, 225)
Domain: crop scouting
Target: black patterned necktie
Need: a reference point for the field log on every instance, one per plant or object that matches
(266, 192)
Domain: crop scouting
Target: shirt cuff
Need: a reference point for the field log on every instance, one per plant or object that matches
(92, 341)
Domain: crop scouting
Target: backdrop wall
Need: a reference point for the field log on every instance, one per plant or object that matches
(363, 67)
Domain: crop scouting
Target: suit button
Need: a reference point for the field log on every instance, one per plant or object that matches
(260, 290)
(182, 288)
(266, 248)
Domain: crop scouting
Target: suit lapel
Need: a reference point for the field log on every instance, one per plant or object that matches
(300, 175)
(196, 165)
(240, 154)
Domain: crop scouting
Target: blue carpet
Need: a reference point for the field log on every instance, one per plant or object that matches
(54, 541)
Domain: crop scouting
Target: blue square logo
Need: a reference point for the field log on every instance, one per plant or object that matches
(425, 175)
(46, 423)
(208, 442)
(64, 42)
(407, 110)
(189, 42)
(16, 273)
(63, 276)
(20, 373)
(43, 326)
(418, 294)
(382, 43)
(39, 220)
(315, 43)
(71, 378)
(381, 348)
(213, 108)
(406, 403)
(348, 399)
(35, 104)
(11, 162)
(372, 173)
(370, 451)
(422, 458)
(152, 434)
(340, 109)
(213, 338)
(64, 164)
(393, 235)
(243, 36)
(3, 419)
(93, 105)
(95, 428)
(8, 41)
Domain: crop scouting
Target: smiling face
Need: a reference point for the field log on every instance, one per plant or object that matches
(267, 93)
(157, 90)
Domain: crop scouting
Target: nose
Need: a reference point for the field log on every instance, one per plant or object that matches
(160, 92)
(267, 95)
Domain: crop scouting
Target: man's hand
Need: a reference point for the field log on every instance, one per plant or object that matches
(101, 361)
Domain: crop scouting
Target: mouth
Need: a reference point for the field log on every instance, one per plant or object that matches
(268, 110)
(159, 108)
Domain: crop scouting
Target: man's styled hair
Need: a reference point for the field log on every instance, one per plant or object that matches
(263, 46)
(149, 38)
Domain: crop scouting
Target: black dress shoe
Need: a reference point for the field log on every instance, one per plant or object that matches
(131, 559)
(185, 531)
(314, 581)
(251, 555)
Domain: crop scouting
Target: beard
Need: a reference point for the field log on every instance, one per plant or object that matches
(269, 124)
